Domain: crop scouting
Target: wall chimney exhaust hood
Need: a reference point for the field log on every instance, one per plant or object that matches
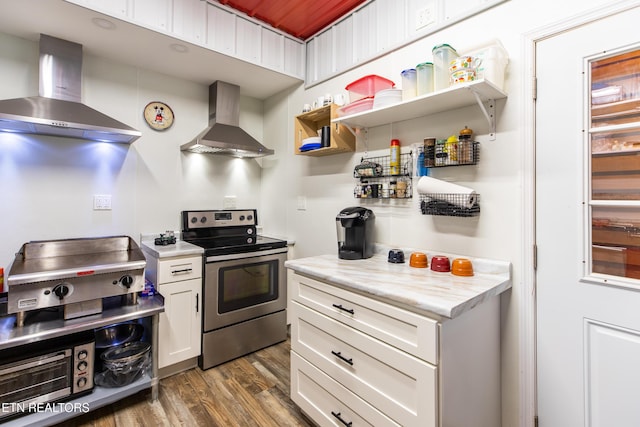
(224, 136)
(58, 111)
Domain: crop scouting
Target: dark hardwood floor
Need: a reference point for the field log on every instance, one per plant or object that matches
(250, 391)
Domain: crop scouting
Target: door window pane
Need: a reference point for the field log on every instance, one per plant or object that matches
(614, 164)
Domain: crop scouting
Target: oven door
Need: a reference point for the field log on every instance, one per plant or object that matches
(241, 287)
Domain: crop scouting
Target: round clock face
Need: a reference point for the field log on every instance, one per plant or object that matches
(158, 115)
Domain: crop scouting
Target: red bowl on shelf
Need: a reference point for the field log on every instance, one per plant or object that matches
(440, 264)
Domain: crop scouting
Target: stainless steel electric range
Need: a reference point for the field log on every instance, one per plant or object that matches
(244, 290)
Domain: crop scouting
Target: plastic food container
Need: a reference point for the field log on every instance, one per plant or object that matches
(367, 87)
(408, 84)
(442, 56)
(494, 62)
(424, 78)
(356, 107)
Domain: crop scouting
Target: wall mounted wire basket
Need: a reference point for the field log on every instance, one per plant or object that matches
(449, 204)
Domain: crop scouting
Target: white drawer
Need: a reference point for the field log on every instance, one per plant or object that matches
(399, 385)
(327, 402)
(175, 269)
(410, 332)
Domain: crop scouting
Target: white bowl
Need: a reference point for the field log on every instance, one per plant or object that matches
(387, 97)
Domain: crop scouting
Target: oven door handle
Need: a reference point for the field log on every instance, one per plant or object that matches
(245, 255)
(38, 362)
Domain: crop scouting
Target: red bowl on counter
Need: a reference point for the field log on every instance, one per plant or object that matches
(440, 264)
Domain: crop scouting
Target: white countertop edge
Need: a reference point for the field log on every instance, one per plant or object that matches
(180, 248)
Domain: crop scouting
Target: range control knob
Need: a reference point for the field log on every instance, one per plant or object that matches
(82, 366)
(250, 217)
(203, 219)
(126, 281)
(61, 290)
(249, 230)
(241, 218)
(82, 354)
(249, 239)
(194, 220)
(81, 382)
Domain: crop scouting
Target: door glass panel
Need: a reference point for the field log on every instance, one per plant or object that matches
(614, 157)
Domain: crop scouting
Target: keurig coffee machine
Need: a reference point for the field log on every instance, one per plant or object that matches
(355, 233)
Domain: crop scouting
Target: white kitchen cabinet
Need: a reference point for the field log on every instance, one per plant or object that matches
(272, 53)
(153, 13)
(179, 280)
(248, 37)
(115, 8)
(351, 353)
(190, 20)
(221, 30)
(294, 55)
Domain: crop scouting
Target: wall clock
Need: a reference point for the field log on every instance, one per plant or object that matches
(158, 115)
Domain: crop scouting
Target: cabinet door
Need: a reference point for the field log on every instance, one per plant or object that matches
(179, 327)
(293, 57)
(221, 30)
(272, 49)
(153, 13)
(247, 40)
(116, 8)
(190, 20)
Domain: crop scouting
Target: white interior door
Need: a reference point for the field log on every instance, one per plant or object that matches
(588, 225)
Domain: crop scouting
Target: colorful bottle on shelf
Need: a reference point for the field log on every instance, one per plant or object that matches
(394, 157)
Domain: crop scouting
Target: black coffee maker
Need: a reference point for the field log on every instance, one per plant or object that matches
(355, 233)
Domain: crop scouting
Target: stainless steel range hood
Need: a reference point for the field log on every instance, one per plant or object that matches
(224, 135)
(58, 110)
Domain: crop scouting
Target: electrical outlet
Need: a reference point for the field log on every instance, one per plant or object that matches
(102, 202)
(302, 203)
(426, 16)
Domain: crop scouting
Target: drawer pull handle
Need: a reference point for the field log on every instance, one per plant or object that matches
(339, 417)
(184, 270)
(197, 302)
(341, 357)
(340, 307)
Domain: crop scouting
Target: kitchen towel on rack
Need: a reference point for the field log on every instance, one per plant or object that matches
(465, 197)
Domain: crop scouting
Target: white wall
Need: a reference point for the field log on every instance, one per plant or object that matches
(47, 184)
(327, 182)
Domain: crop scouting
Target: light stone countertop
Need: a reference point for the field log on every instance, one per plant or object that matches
(417, 289)
(180, 248)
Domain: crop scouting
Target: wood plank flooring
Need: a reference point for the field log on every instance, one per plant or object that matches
(250, 391)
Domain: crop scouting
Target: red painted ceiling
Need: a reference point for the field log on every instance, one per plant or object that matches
(300, 18)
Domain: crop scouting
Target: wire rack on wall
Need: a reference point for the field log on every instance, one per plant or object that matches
(450, 204)
(379, 179)
(458, 153)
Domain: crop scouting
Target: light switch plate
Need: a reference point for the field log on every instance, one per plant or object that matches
(102, 202)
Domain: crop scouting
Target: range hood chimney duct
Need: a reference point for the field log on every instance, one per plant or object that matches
(58, 111)
(224, 136)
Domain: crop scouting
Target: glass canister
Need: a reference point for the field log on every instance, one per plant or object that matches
(443, 54)
(424, 78)
(408, 84)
